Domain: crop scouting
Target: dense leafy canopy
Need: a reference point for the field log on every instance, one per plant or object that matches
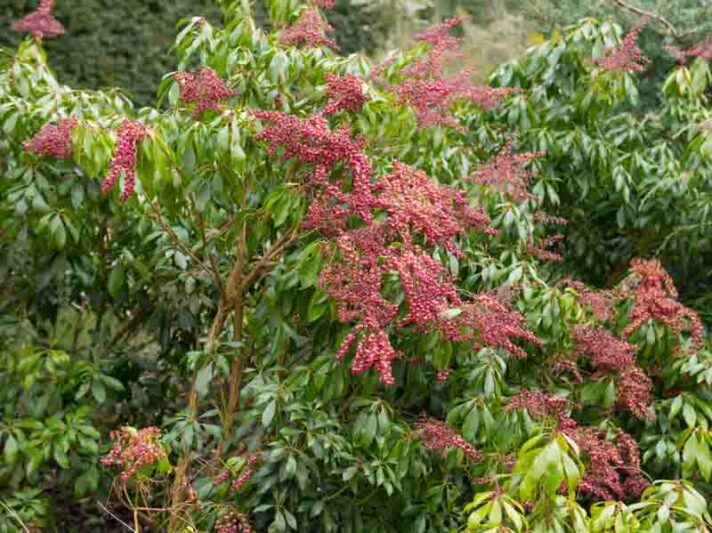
(306, 292)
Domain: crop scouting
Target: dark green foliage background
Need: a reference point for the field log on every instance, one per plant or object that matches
(127, 43)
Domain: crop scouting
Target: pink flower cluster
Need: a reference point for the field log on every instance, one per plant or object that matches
(540, 405)
(495, 324)
(54, 140)
(599, 301)
(395, 222)
(430, 92)
(40, 22)
(539, 249)
(627, 55)
(204, 89)
(613, 467)
(609, 354)
(606, 352)
(437, 436)
(416, 203)
(309, 29)
(345, 94)
(124, 160)
(703, 50)
(324, 4)
(507, 173)
(311, 142)
(233, 522)
(134, 450)
(246, 473)
(654, 298)
(613, 471)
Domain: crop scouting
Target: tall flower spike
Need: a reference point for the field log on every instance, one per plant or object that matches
(124, 160)
(627, 55)
(205, 89)
(54, 140)
(309, 29)
(40, 22)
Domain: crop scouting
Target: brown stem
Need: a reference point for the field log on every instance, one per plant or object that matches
(643, 13)
(258, 269)
(181, 246)
(182, 468)
(236, 297)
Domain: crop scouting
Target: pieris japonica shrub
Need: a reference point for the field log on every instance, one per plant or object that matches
(307, 292)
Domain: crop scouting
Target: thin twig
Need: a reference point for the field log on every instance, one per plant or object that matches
(255, 272)
(112, 515)
(179, 244)
(642, 12)
(14, 514)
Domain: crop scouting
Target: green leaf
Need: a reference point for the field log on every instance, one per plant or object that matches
(268, 413)
(279, 523)
(689, 414)
(98, 391)
(544, 467)
(10, 450)
(116, 281)
(203, 379)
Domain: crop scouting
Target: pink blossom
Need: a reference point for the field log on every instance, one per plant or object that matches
(438, 436)
(54, 140)
(204, 89)
(310, 29)
(345, 94)
(627, 55)
(40, 22)
(134, 450)
(124, 160)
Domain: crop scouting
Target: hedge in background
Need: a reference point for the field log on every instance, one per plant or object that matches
(127, 44)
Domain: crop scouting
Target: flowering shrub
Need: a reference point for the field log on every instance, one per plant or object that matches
(307, 252)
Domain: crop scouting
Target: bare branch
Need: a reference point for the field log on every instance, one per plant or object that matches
(644, 13)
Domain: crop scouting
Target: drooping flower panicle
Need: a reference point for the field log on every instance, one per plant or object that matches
(124, 161)
(438, 436)
(310, 29)
(204, 89)
(655, 298)
(430, 92)
(40, 22)
(507, 173)
(626, 56)
(54, 140)
(346, 93)
(610, 355)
